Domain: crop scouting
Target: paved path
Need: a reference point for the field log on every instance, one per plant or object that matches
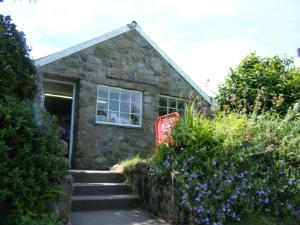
(114, 217)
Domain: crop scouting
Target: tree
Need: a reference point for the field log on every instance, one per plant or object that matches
(16, 68)
(31, 161)
(271, 83)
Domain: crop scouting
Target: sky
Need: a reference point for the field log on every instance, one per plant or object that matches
(205, 38)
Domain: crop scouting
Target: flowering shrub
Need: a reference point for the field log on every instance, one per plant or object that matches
(30, 166)
(30, 160)
(234, 167)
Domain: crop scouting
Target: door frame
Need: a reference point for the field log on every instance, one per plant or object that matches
(70, 149)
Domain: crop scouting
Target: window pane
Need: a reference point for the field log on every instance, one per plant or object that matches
(182, 113)
(102, 105)
(113, 117)
(124, 118)
(103, 92)
(125, 95)
(181, 104)
(162, 111)
(113, 105)
(172, 103)
(135, 108)
(101, 113)
(134, 119)
(125, 107)
(162, 101)
(172, 110)
(114, 94)
(136, 97)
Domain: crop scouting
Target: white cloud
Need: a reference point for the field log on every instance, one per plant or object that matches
(203, 37)
(207, 63)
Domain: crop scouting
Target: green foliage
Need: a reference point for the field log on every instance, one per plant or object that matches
(260, 84)
(32, 219)
(194, 130)
(130, 163)
(30, 168)
(241, 165)
(16, 68)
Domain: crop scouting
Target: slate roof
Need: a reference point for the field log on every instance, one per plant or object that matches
(58, 55)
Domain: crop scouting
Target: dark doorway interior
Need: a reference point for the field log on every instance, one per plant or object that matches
(62, 109)
(58, 100)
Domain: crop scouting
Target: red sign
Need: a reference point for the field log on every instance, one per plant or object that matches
(163, 127)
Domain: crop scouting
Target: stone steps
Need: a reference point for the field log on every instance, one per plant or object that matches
(96, 176)
(101, 190)
(104, 202)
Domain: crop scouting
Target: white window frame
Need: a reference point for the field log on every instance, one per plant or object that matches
(117, 106)
(170, 107)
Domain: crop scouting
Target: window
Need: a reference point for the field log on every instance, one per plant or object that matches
(118, 106)
(170, 104)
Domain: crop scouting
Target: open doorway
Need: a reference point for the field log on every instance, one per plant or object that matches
(59, 101)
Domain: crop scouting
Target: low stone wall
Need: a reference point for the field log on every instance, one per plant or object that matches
(160, 197)
(61, 207)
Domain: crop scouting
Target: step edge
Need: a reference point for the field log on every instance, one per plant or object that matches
(94, 171)
(103, 197)
(83, 184)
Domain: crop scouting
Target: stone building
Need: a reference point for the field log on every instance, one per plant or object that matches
(108, 92)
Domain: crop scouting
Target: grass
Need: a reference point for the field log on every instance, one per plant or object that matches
(127, 164)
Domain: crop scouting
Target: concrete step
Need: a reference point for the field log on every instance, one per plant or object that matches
(104, 202)
(101, 188)
(96, 176)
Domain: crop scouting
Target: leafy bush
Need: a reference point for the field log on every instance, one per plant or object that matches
(31, 164)
(16, 68)
(236, 166)
(257, 83)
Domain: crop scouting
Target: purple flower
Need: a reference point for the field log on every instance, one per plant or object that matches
(233, 197)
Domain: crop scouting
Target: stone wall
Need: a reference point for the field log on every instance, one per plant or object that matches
(61, 207)
(160, 197)
(126, 61)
